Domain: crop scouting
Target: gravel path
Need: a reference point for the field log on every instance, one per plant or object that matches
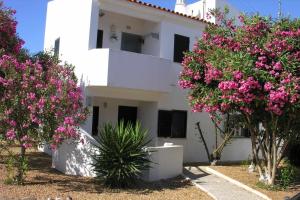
(220, 188)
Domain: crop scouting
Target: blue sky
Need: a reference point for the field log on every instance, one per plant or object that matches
(31, 15)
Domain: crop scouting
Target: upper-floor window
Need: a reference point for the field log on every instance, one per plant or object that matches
(172, 123)
(99, 39)
(131, 42)
(56, 47)
(181, 45)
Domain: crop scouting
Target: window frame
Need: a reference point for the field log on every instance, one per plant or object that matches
(171, 133)
(56, 47)
(98, 42)
(125, 37)
(95, 120)
(176, 58)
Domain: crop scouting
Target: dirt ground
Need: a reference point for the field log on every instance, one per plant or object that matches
(42, 182)
(240, 173)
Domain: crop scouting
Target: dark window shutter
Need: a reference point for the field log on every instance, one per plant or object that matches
(56, 47)
(99, 39)
(95, 123)
(164, 123)
(181, 45)
(179, 123)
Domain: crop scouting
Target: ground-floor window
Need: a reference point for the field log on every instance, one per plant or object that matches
(95, 122)
(172, 123)
(128, 114)
(235, 125)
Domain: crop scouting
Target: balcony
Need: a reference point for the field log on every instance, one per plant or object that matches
(123, 69)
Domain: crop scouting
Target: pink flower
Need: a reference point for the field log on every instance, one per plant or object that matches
(31, 96)
(277, 66)
(12, 123)
(237, 75)
(10, 135)
(212, 74)
(228, 85)
(268, 86)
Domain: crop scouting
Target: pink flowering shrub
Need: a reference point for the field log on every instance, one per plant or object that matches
(9, 41)
(252, 69)
(40, 101)
(40, 105)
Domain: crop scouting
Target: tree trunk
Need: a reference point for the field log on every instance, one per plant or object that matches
(20, 166)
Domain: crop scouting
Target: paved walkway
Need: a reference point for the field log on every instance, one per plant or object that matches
(220, 188)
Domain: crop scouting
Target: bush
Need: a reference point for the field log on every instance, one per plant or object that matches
(122, 155)
(286, 175)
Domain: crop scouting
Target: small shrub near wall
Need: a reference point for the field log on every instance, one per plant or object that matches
(287, 175)
(122, 154)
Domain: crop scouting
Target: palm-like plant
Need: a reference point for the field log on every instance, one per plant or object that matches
(122, 155)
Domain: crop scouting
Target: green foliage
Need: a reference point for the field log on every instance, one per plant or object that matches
(286, 175)
(246, 163)
(9, 171)
(268, 187)
(121, 155)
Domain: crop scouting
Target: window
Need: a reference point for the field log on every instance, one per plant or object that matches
(127, 114)
(95, 123)
(131, 42)
(172, 123)
(235, 125)
(56, 47)
(164, 123)
(241, 132)
(181, 45)
(99, 39)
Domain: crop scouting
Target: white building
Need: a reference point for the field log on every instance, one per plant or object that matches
(127, 56)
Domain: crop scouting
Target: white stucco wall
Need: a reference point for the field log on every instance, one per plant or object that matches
(170, 28)
(147, 115)
(75, 23)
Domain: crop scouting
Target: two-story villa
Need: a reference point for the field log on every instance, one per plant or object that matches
(127, 55)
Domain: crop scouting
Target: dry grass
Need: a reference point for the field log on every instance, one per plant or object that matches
(240, 173)
(43, 182)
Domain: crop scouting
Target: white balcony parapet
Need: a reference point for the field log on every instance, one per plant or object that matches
(122, 69)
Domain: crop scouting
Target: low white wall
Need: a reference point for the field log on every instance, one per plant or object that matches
(46, 149)
(239, 149)
(167, 162)
(75, 158)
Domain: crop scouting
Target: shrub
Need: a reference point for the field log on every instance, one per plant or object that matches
(286, 175)
(121, 154)
(253, 70)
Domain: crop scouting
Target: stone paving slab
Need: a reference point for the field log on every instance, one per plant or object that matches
(220, 188)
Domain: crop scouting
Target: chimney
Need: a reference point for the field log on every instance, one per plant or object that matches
(180, 6)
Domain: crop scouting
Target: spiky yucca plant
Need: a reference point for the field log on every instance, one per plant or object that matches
(122, 155)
